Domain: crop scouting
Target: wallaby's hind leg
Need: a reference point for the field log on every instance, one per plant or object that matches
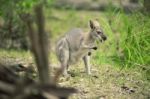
(86, 60)
(64, 57)
(62, 52)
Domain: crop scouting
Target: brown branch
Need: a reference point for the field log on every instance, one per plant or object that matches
(39, 43)
(42, 50)
(7, 88)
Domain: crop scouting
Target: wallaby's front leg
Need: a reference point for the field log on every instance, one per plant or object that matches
(86, 60)
(84, 46)
(89, 47)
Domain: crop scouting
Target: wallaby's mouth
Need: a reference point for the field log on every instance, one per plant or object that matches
(104, 38)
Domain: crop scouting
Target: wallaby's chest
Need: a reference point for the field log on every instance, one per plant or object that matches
(75, 38)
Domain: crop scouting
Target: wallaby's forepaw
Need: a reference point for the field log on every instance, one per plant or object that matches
(89, 53)
(95, 48)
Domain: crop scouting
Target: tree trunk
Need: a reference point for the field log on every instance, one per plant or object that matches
(134, 1)
(147, 5)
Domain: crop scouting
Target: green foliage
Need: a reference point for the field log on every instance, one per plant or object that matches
(137, 41)
(15, 5)
(25, 5)
(128, 36)
(134, 39)
(13, 29)
(5, 6)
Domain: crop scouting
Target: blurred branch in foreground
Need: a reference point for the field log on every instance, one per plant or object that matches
(39, 43)
(13, 86)
(39, 46)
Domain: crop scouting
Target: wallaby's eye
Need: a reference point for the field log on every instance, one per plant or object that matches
(99, 32)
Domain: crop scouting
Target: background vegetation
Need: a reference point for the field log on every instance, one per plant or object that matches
(125, 55)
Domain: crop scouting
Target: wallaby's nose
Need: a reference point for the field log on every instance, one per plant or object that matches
(104, 38)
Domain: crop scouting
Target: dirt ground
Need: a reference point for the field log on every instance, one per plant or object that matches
(106, 81)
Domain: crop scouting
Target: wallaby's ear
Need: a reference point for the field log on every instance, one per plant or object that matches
(91, 24)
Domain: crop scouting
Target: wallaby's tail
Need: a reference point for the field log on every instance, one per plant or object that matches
(61, 48)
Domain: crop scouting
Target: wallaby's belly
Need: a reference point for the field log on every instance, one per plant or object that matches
(72, 42)
(74, 55)
(77, 55)
(75, 38)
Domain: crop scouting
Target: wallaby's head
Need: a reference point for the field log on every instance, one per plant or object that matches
(96, 31)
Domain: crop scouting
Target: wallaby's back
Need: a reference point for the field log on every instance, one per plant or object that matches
(74, 38)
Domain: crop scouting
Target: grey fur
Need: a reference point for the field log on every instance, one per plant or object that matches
(76, 44)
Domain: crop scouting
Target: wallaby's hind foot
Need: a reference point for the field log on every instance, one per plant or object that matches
(65, 73)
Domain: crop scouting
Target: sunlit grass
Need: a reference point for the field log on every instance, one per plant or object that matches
(127, 32)
(14, 53)
(130, 32)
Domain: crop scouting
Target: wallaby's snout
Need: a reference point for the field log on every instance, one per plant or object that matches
(101, 35)
(104, 37)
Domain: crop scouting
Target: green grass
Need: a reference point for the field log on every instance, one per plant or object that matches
(134, 39)
(14, 53)
(10, 57)
(128, 35)
(127, 46)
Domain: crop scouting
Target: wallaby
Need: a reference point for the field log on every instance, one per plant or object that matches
(76, 45)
